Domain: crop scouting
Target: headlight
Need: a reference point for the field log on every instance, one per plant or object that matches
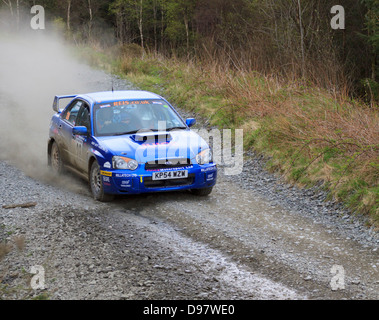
(204, 157)
(124, 163)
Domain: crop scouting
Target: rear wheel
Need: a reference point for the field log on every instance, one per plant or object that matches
(56, 159)
(202, 192)
(96, 184)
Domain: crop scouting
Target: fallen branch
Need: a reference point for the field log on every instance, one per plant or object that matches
(20, 205)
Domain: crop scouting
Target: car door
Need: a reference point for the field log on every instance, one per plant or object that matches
(82, 143)
(66, 142)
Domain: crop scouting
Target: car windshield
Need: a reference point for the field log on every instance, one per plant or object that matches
(126, 117)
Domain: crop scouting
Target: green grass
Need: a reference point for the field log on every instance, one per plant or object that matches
(42, 296)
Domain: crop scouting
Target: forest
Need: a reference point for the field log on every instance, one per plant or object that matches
(292, 39)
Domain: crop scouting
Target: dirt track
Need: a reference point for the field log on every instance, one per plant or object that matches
(172, 246)
(252, 238)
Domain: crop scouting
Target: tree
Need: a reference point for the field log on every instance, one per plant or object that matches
(179, 15)
(372, 38)
(291, 38)
(8, 3)
(130, 12)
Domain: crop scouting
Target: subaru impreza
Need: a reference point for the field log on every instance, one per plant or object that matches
(128, 142)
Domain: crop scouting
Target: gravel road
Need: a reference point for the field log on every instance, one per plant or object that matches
(254, 237)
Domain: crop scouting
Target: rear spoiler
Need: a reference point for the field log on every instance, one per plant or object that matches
(56, 101)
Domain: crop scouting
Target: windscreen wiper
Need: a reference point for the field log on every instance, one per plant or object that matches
(172, 128)
(136, 131)
(124, 133)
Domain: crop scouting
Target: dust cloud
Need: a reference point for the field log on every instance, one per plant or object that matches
(36, 65)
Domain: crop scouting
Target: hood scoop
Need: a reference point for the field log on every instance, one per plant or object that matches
(152, 137)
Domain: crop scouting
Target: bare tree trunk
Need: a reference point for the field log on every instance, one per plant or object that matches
(162, 28)
(9, 4)
(301, 40)
(17, 14)
(187, 33)
(140, 24)
(120, 27)
(68, 14)
(373, 67)
(155, 26)
(90, 20)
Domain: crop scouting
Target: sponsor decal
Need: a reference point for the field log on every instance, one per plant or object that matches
(106, 173)
(122, 103)
(126, 183)
(96, 145)
(210, 176)
(171, 169)
(80, 139)
(208, 169)
(125, 175)
(107, 165)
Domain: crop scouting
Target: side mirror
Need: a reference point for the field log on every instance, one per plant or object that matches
(190, 122)
(80, 131)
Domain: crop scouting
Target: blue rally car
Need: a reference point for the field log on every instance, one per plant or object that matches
(129, 142)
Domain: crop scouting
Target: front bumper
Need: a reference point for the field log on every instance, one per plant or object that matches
(140, 181)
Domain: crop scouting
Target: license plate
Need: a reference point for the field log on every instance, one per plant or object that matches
(170, 175)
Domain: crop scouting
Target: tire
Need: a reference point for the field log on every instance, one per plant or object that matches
(56, 161)
(202, 192)
(96, 184)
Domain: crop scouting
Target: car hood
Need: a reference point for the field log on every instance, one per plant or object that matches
(159, 145)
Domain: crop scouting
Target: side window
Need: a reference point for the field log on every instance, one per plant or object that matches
(83, 118)
(72, 112)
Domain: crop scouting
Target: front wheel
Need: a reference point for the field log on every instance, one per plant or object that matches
(202, 192)
(96, 184)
